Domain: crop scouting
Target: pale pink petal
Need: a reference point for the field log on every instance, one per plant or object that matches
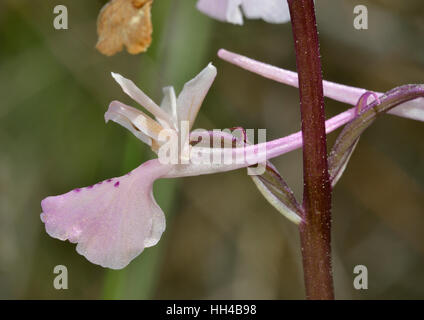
(223, 10)
(139, 96)
(115, 114)
(169, 105)
(112, 221)
(189, 102)
(272, 11)
(140, 124)
(412, 109)
(194, 92)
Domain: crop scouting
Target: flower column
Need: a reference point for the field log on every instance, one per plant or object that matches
(315, 231)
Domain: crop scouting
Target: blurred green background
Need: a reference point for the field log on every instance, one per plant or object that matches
(223, 240)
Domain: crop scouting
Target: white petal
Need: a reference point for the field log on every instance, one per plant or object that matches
(223, 10)
(189, 102)
(191, 97)
(234, 14)
(272, 11)
(169, 105)
(140, 124)
(413, 109)
(216, 9)
(135, 93)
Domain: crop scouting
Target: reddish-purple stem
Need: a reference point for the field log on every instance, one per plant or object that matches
(315, 232)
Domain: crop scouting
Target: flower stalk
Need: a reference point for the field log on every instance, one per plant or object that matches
(315, 230)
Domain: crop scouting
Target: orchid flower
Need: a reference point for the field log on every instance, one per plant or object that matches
(413, 109)
(272, 11)
(114, 220)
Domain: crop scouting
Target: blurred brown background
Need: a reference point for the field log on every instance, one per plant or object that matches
(223, 240)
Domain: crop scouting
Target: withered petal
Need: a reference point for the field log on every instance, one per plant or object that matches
(124, 23)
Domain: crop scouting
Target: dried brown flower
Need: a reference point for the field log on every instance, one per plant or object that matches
(124, 22)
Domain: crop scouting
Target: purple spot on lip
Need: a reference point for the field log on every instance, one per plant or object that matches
(77, 190)
(109, 180)
(116, 184)
(100, 182)
(89, 187)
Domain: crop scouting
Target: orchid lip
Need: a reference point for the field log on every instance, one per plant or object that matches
(111, 222)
